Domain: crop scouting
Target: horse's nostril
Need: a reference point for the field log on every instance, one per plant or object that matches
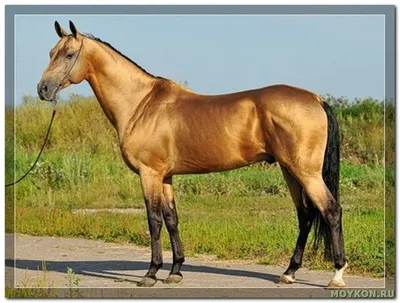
(44, 88)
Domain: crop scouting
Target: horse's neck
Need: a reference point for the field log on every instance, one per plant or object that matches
(119, 86)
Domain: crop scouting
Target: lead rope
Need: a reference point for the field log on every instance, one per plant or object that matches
(51, 123)
(40, 153)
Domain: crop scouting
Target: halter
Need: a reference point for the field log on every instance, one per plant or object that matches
(70, 69)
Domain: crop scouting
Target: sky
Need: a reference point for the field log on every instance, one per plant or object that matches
(337, 55)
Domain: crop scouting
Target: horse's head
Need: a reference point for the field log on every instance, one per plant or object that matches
(67, 65)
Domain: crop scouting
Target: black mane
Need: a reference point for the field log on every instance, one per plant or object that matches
(90, 36)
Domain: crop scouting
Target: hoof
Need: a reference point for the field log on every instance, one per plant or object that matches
(336, 283)
(173, 279)
(147, 282)
(286, 279)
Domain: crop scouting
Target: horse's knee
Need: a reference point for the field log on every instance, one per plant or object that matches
(155, 217)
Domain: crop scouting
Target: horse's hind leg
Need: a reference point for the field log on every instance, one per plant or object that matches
(332, 214)
(152, 188)
(305, 215)
(171, 221)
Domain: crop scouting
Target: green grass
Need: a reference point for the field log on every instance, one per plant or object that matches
(240, 214)
(11, 292)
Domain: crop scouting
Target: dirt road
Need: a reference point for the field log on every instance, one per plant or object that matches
(98, 264)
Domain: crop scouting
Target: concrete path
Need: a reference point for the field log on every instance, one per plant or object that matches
(109, 265)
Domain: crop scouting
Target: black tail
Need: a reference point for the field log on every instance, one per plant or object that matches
(330, 174)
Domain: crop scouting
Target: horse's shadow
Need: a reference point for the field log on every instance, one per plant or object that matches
(106, 269)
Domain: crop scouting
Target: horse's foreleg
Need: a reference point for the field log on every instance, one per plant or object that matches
(152, 188)
(171, 221)
(305, 215)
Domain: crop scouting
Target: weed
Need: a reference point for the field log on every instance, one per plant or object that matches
(73, 284)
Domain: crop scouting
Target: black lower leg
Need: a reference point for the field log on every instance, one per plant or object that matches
(171, 221)
(305, 217)
(155, 224)
(334, 219)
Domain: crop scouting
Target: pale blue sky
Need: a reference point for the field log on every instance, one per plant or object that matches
(339, 55)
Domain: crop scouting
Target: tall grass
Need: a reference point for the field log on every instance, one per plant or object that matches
(362, 126)
(245, 213)
(81, 124)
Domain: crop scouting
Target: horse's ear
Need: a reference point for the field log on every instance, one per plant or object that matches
(73, 29)
(59, 30)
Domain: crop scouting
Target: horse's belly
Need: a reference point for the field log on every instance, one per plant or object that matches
(194, 166)
(206, 156)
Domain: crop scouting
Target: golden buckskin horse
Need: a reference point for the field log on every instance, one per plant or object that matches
(165, 129)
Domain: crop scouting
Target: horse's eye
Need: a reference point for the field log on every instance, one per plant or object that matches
(69, 56)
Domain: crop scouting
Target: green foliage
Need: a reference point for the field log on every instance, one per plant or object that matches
(11, 292)
(362, 127)
(240, 214)
(81, 125)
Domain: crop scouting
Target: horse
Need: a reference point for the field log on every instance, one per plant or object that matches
(165, 129)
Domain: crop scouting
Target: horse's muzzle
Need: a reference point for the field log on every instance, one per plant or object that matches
(47, 90)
